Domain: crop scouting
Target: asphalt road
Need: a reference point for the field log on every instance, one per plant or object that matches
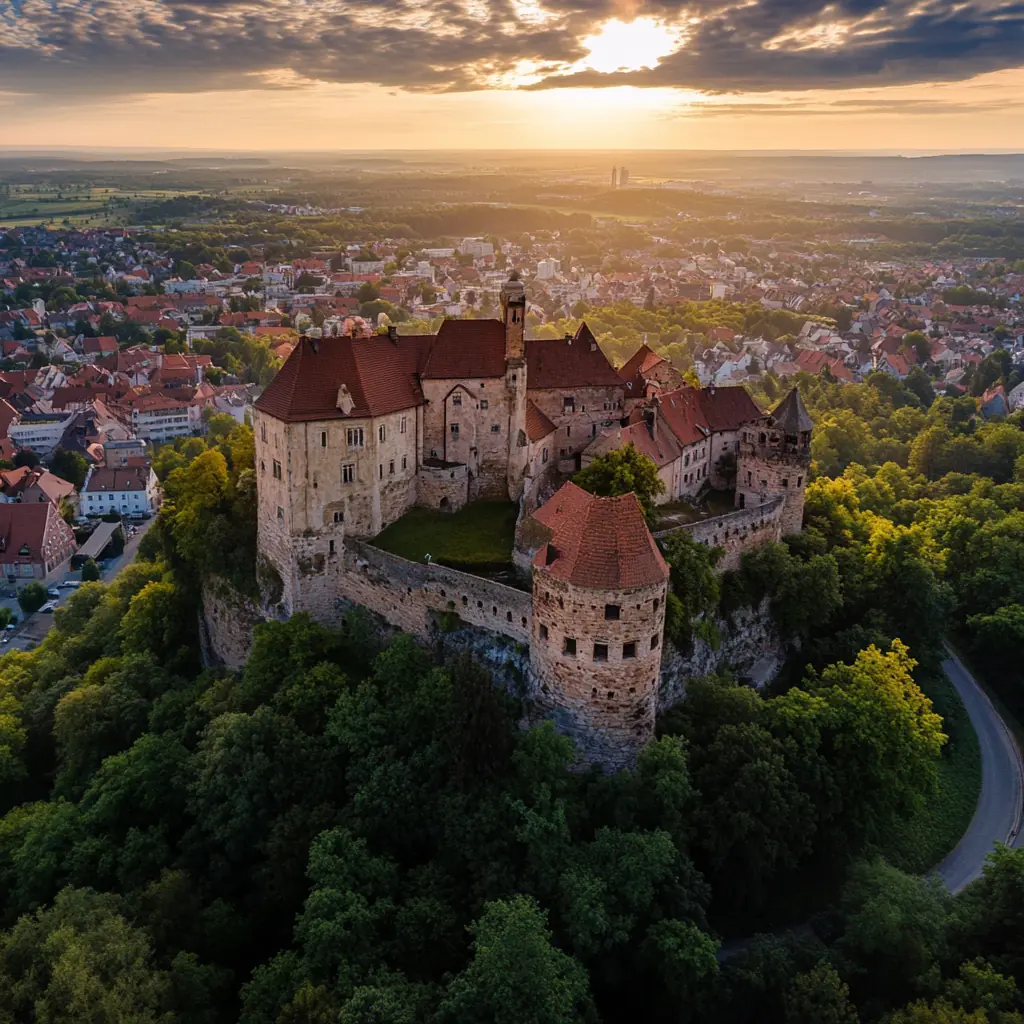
(997, 817)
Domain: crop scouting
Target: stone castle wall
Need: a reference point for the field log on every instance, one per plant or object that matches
(760, 472)
(736, 532)
(595, 657)
(412, 596)
(442, 487)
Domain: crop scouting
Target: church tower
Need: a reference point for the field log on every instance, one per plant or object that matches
(513, 315)
(774, 459)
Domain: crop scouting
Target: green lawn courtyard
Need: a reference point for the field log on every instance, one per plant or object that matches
(477, 538)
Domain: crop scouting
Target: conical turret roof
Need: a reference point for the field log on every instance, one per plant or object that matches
(791, 416)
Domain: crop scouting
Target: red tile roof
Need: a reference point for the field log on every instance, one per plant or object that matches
(538, 426)
(642, 361)
(568, 363)
(127, 478)
(33, 533)
(728, 408)
(598, 543)
(379, 374)
(466, 349)
(681, 411)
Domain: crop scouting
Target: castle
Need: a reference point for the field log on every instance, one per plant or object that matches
(354, 432)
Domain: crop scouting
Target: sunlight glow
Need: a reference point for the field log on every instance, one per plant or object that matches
(629, 45)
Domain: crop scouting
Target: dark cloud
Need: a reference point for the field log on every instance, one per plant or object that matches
(99, 47)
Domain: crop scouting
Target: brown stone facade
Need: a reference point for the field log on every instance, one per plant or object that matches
(595, 658)
(414, 597)
(593, 410)
(763, 472)
(736, 532)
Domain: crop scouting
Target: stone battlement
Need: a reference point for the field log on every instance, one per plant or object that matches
(413, 595)
(736, 532)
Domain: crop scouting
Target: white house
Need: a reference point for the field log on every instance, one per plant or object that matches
(124, 489)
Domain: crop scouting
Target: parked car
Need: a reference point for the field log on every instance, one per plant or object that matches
(48, 608)
(70, 583)
(53, 592)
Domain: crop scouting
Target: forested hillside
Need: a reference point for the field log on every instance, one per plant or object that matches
(346, 832)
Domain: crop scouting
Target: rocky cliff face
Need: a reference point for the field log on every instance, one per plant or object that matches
(749, 645)
(226, 623)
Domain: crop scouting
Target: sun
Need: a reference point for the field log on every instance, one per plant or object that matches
(629, 45)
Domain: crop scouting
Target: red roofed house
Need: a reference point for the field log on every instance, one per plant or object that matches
(34, 485)
(97, 348)
(35, 542)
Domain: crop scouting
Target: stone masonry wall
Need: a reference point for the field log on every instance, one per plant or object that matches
(434, 484)
(736, 532)
(596, 660)
(411, 595)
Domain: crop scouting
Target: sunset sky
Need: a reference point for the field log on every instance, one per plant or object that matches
(405, 74)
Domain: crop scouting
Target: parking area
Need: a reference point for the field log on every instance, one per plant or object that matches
(31, 630)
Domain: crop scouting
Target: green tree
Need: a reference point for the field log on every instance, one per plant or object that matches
(90, 571)
(517, 976)
(623, 471)
(70, 466)
(32, 597)
(820, 996)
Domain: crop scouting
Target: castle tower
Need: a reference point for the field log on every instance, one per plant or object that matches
(513, 315)
(774, 459)
(599, 591)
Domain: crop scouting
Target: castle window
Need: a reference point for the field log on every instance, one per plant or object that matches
(657, 601)
(405, 461)
(323, 438)
(568, 405)
(629, 650)
(494, 610)
(611, 612)
(785, 481)
(339, 517)
(655, 640)
(750, 478)
(457, 399)
(348, 473)
(263, 469)
(544, 455)
(569, 647)
(568, 431)
(382, 432)
(277, 470)
(522, 621)
(508, 616)
(799, 481)
(331, 548)
(263, 432)
(380, 469)
(600, 652)
(404, 426)
(495, 428)
(454, 428)
(391, 468)
(355, 437)
(686, 460)
(280, 512)
(484, 403)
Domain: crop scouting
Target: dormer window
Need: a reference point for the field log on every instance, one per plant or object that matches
(457, 399)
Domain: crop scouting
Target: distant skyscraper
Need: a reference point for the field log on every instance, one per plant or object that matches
(615, 177)
(623, 177)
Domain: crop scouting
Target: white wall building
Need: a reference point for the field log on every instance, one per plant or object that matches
(39, 431)
(127, 490)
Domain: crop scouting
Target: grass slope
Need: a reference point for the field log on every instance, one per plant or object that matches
(479, 536)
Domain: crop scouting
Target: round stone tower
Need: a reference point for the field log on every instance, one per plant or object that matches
(599, 590)
(773, 460)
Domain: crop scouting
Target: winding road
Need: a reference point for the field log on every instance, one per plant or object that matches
(997, 818)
